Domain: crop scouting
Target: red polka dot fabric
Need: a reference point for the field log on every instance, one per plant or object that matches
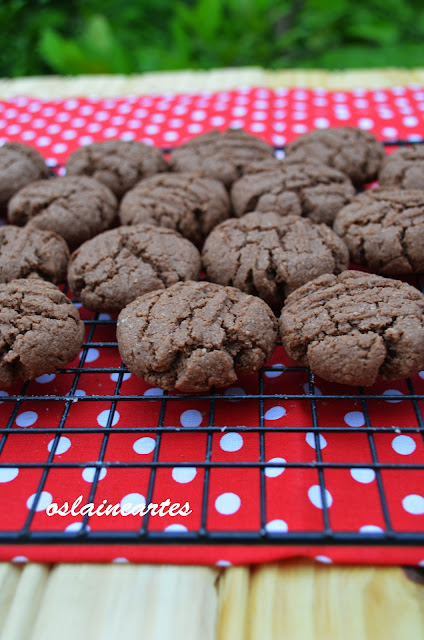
(279, 465)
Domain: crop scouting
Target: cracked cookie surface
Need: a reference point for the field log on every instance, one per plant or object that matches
(267, 255)
(20, 164)
(76, 208)
(222, 156)
(40, 330)
(30, 252)
(292, 188)
(109, 271)
(384, 230)
(354, 327)
(195, 335)
(119, 164)
(355, 152)
(404, 168)
(188, 203)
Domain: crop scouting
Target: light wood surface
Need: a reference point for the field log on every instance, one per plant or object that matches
(292, 601)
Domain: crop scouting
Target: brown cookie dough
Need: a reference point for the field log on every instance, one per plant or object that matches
(77, 208)
(188, 203)
(404, 168)
(19, 165)
(119, 164)
(355, 152)
(384, 230)
(28, 252)
(195, 335)
(222, 156)
(109, 271)
(269, 256)
(40, 330)
(354, 327)
(299, 189)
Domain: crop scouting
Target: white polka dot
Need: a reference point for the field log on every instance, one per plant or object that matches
(227, 503)
(120, 561)
(148, 141)
(410, 121)
(279, 154)
(183, 475)
(92, 354)
(314, 495)
(366, 123)
(275, 413)
(13, 129)
(355, 419)
(420, 564)
(60, 147)
(217, 121)
(28, 135)
(320, 102)
(7, 474)
(115, 376)
(45, 499)
(74, 527)
(26, 419)
(89, 472)
(236, 124)
(3, 394)
(277, 126)
(110, 132)
(223, 563)
(279, 115)
(414, 137)
(310, 439)
(234, 391)
(127, 135)
(299, 128)
(79, 392)
(117, 120)
(62, 446)
(170, 136)
(133, 500)
(33, 107)
(276, 526)
(421, 374)
(71, 104)
(306, 389)
(278, 140)
(389, 132)
(231, 442)
(386, 114)
(191, 418)
(103, 417)
(45, 378)
(299, 115)
(69, 134)
(101, 116)
(194, 128)
(361, 104)
(78, 122)
(274, 373)
(176, 528)
(94, 127)
(43, 141)
(180, 110)
(154, 391)
(414, 504)
(63, 117)
(198, 115)
(404, 445)
(370, 528)
(86, 110)
(151, 129)
(274, 472)
(144, 445)
(393, 392)
(84, 140)
(177, 123)
(53, 129)
(19, 559)
(323, 559)
(364, 476)
(321, 123)
(258, 127)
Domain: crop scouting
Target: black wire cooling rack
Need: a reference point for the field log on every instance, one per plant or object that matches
(204, 534)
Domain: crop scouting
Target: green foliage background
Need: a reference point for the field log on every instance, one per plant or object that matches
(132, 36)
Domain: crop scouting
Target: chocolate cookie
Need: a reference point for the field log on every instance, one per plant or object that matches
(384, 230)
(19, 165)
(40, 330)
(354, 327)
(119, 164)
(222, 156)
(190, 204)
(195, 335)
(269, 256)
(28, 252)
(76, 208)
(300, 189)
(117, 266)
(403, 168)
(355, 152)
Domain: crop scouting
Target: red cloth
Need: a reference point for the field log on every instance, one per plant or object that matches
(56, 128)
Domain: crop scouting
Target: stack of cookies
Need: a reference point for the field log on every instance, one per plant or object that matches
(132, 233)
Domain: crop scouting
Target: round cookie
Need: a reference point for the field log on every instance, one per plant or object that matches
(269, 256)
(77, 208)
(109, 271)
(40, 330)
(188, 203)
(195, 335)
(384, 230)
(222, 156)
(300, 189)
(19, 165)
(28, 252)
(403, 168)
(355, 152)
(119, 164)
(354, 327)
